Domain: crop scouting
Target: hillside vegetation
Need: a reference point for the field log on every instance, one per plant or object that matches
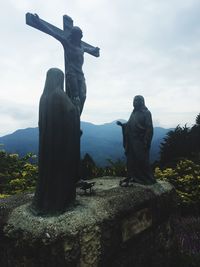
(179, 164)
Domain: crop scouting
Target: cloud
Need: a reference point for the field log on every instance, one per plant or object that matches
(147, 47)
(16, 115)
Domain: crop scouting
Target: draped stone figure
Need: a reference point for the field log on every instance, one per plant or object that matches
(59, 147)
(137, 136)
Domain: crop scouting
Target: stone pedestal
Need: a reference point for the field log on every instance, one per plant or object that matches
(112, 226)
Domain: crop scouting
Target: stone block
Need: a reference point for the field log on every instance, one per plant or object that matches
(112, 226)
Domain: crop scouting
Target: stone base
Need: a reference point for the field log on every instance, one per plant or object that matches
(112, 226)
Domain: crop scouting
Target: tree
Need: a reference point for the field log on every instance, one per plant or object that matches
(175, 146)
(116, 168)
(88, 167)
(195, 139)
(198, 120)
(180, 143)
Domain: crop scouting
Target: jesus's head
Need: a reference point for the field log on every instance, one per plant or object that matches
(76, 34)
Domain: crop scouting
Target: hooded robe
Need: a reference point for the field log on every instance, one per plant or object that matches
(137, 136)
(59, 147)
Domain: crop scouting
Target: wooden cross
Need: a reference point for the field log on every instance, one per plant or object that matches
(55, 32)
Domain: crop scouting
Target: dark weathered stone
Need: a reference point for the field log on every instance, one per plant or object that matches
(137, 136)
(74, 50)
(59, 147)
(114, 226)
(7, 205)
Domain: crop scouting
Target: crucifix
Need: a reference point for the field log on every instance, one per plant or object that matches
(74, 48)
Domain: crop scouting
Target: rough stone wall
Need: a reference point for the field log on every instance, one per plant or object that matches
(113, 226)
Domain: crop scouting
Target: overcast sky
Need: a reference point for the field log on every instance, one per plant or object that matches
(148, 47)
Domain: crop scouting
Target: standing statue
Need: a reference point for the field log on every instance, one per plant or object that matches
(137, 136)
(59, 147)
(74, 50)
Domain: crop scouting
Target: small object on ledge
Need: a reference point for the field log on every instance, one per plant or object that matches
(126, 182)
(84, 185)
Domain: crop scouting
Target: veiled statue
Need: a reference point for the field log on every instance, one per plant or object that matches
(137, 136)
(59, 147)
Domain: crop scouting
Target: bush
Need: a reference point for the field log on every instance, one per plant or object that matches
(186, 179)
(16, 174)
(115, 168)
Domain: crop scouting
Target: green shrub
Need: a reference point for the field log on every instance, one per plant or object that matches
(16, 174)
(186, 179)
(115, 168)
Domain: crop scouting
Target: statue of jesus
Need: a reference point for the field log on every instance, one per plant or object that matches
(74, 57)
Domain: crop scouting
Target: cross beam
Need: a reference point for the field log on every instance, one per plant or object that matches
(67, 26)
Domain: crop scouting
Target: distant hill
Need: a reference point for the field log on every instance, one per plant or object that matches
(102, 142)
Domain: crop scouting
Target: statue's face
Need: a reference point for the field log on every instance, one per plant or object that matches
(76, 34)
(138, 102)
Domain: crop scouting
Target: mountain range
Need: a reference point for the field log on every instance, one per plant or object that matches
(102, 142)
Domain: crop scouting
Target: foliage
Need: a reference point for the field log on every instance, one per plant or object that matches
(115, 168)
(198, 119)
(4, 195)
(175, 145)
(20, 174)
(90, 170)
(187, 235)
(186, 179)
(182, 142)
(16, 174)
(180, 159)
(88, 167)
